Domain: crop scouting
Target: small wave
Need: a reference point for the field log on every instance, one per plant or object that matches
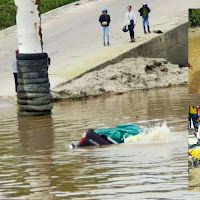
(158, 133)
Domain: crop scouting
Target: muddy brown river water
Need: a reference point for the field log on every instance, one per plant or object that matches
(194, 60)
(35, 162)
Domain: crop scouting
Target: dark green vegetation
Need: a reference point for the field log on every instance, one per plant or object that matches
(47, 5)
(8, 12)
(194, 17)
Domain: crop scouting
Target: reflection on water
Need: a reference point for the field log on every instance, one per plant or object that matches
(36, 140)
(35, 162)
(194, 60)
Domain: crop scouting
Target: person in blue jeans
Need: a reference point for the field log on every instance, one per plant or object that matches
(105, 20)
(144, 13)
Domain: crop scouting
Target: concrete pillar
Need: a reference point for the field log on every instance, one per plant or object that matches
(29, 26)
(33, 91)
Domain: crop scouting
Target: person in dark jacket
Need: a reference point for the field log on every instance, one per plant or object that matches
(144, 13)
(104, 20)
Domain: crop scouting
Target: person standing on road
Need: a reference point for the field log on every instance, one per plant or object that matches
(105, 20)
(15, 71)
(144, 13)
(193, 113)
(130, 22)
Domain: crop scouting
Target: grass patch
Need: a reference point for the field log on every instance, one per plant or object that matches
(8, 11)
(194, 17)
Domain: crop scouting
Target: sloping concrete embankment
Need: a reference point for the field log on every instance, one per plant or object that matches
(138, 68)
(171, 45)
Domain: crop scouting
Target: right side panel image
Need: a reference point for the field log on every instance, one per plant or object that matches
(194, 51)
(194, 148)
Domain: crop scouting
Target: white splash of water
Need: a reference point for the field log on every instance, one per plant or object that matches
(158, 133)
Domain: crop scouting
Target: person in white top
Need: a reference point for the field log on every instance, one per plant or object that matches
(15, 71)
(130, 22)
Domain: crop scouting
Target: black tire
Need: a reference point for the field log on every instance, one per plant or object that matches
(33, 102)
(47, 97)
(24, 95)
(33, 81)
(32, 75)
(32, 69)
(32, 63)
(43, 108)
(33, 56)
(45, 85)
(36, 88)
(23, 113)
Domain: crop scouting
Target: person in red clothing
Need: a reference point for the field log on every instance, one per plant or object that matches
(198, 111)
(190, 66)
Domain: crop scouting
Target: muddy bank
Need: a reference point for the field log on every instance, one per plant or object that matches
(194, 60)
(194, 32)
(125, 76)
(194, 178)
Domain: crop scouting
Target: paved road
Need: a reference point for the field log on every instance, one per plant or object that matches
(72, 36)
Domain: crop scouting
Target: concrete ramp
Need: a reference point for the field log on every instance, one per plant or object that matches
(172, 45)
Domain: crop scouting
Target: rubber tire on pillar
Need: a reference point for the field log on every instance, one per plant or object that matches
(32, 69)
(23, 113)
(32, 75)
(42, 108)
(32, 63)
(34, 56)
(33, 102)
(33, 81)
(24, 95)
(47, 97)
(35, 86)
(31, 89)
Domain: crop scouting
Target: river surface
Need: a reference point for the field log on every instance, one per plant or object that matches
(194, 60)
(35, 162)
